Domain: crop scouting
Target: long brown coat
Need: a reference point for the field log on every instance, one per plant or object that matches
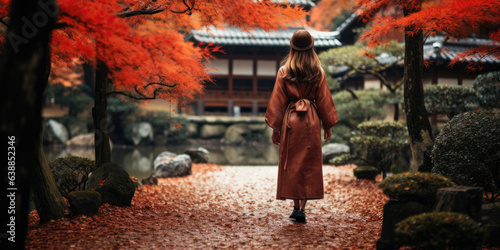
(297, 110)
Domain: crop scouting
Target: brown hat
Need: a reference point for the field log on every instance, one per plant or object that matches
(301, 40)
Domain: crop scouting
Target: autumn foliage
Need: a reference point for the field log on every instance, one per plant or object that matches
(143, 42)
(231, 207)
(455, 18)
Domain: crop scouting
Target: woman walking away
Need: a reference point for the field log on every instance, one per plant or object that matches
(300, 102)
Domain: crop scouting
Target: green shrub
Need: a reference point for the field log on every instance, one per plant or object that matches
(438, 230)
(487, 88)
(467, 150)
(71, 173)
(164, 123)
(369, 104)
(449, 100)
(418, 187)
(365, 172)
(375, 144)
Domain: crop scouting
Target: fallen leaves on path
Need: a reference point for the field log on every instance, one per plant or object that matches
(225, 207)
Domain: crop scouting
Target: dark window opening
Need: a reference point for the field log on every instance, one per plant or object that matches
(216, 109)
(241, 84)
(218, 84)
(266, 85)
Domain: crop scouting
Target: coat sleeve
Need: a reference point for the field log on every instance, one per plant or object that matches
(277, 103)
(326, 108)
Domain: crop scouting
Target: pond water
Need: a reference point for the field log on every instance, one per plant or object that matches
(138, 161)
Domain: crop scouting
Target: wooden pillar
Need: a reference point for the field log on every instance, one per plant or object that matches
(200, 107)
(230, 77)
(254, 78)
(230, 106)
(255, 108)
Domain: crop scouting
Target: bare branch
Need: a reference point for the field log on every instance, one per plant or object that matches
(3, 22)
(140, 12)
(161, 84)
(141, 97)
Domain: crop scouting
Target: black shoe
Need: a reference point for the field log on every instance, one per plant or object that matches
(294, 213)
(300, 216)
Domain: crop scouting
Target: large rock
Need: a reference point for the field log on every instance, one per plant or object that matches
(237, 134)
(83, 141)
(333, 150)
(198, 155)
(461, 199)
(209, 131)
(84, 202)
(71, 173)
(139, 133)
(163, 157)
(179, 165)
(55, 132)
(113, 183)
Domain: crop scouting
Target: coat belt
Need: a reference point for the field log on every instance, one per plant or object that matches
(302, 105)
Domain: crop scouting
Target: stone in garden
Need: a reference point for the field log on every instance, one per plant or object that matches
(198, 155)
(55, 132)
(210, 131)
(71, 173)
(83, 141)
(491, 223)
(139, 133)
(332, 150)
(113, 183)
(365, 172)
(149, 181)
(163, 157)
(237, 134)
(461, 199)
(179, 165)
(84, 202)
(394, 212)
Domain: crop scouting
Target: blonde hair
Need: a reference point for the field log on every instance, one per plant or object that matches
(302, 66)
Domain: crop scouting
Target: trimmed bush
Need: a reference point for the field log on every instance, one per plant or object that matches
(71, 173)
(449, 100)
(375, 143)
(418, 187)
(365, 172)
(439, 230)
(487, 88)
(467, 150)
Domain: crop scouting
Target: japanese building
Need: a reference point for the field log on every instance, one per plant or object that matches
(244, 75)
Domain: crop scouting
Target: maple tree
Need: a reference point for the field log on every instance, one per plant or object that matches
(24, 75)
(137, 48)
(416, 19)
(323, 14)
(457, 19)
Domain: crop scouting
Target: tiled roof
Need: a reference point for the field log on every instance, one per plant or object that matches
(450, 49)
(232, 36)
(297, 2)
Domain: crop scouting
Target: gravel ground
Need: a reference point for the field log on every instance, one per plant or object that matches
(225, 207)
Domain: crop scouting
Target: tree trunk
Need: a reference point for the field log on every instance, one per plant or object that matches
(419, 128)
(396, 112)
(48, 200)
(23, 74)
(99, 113)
